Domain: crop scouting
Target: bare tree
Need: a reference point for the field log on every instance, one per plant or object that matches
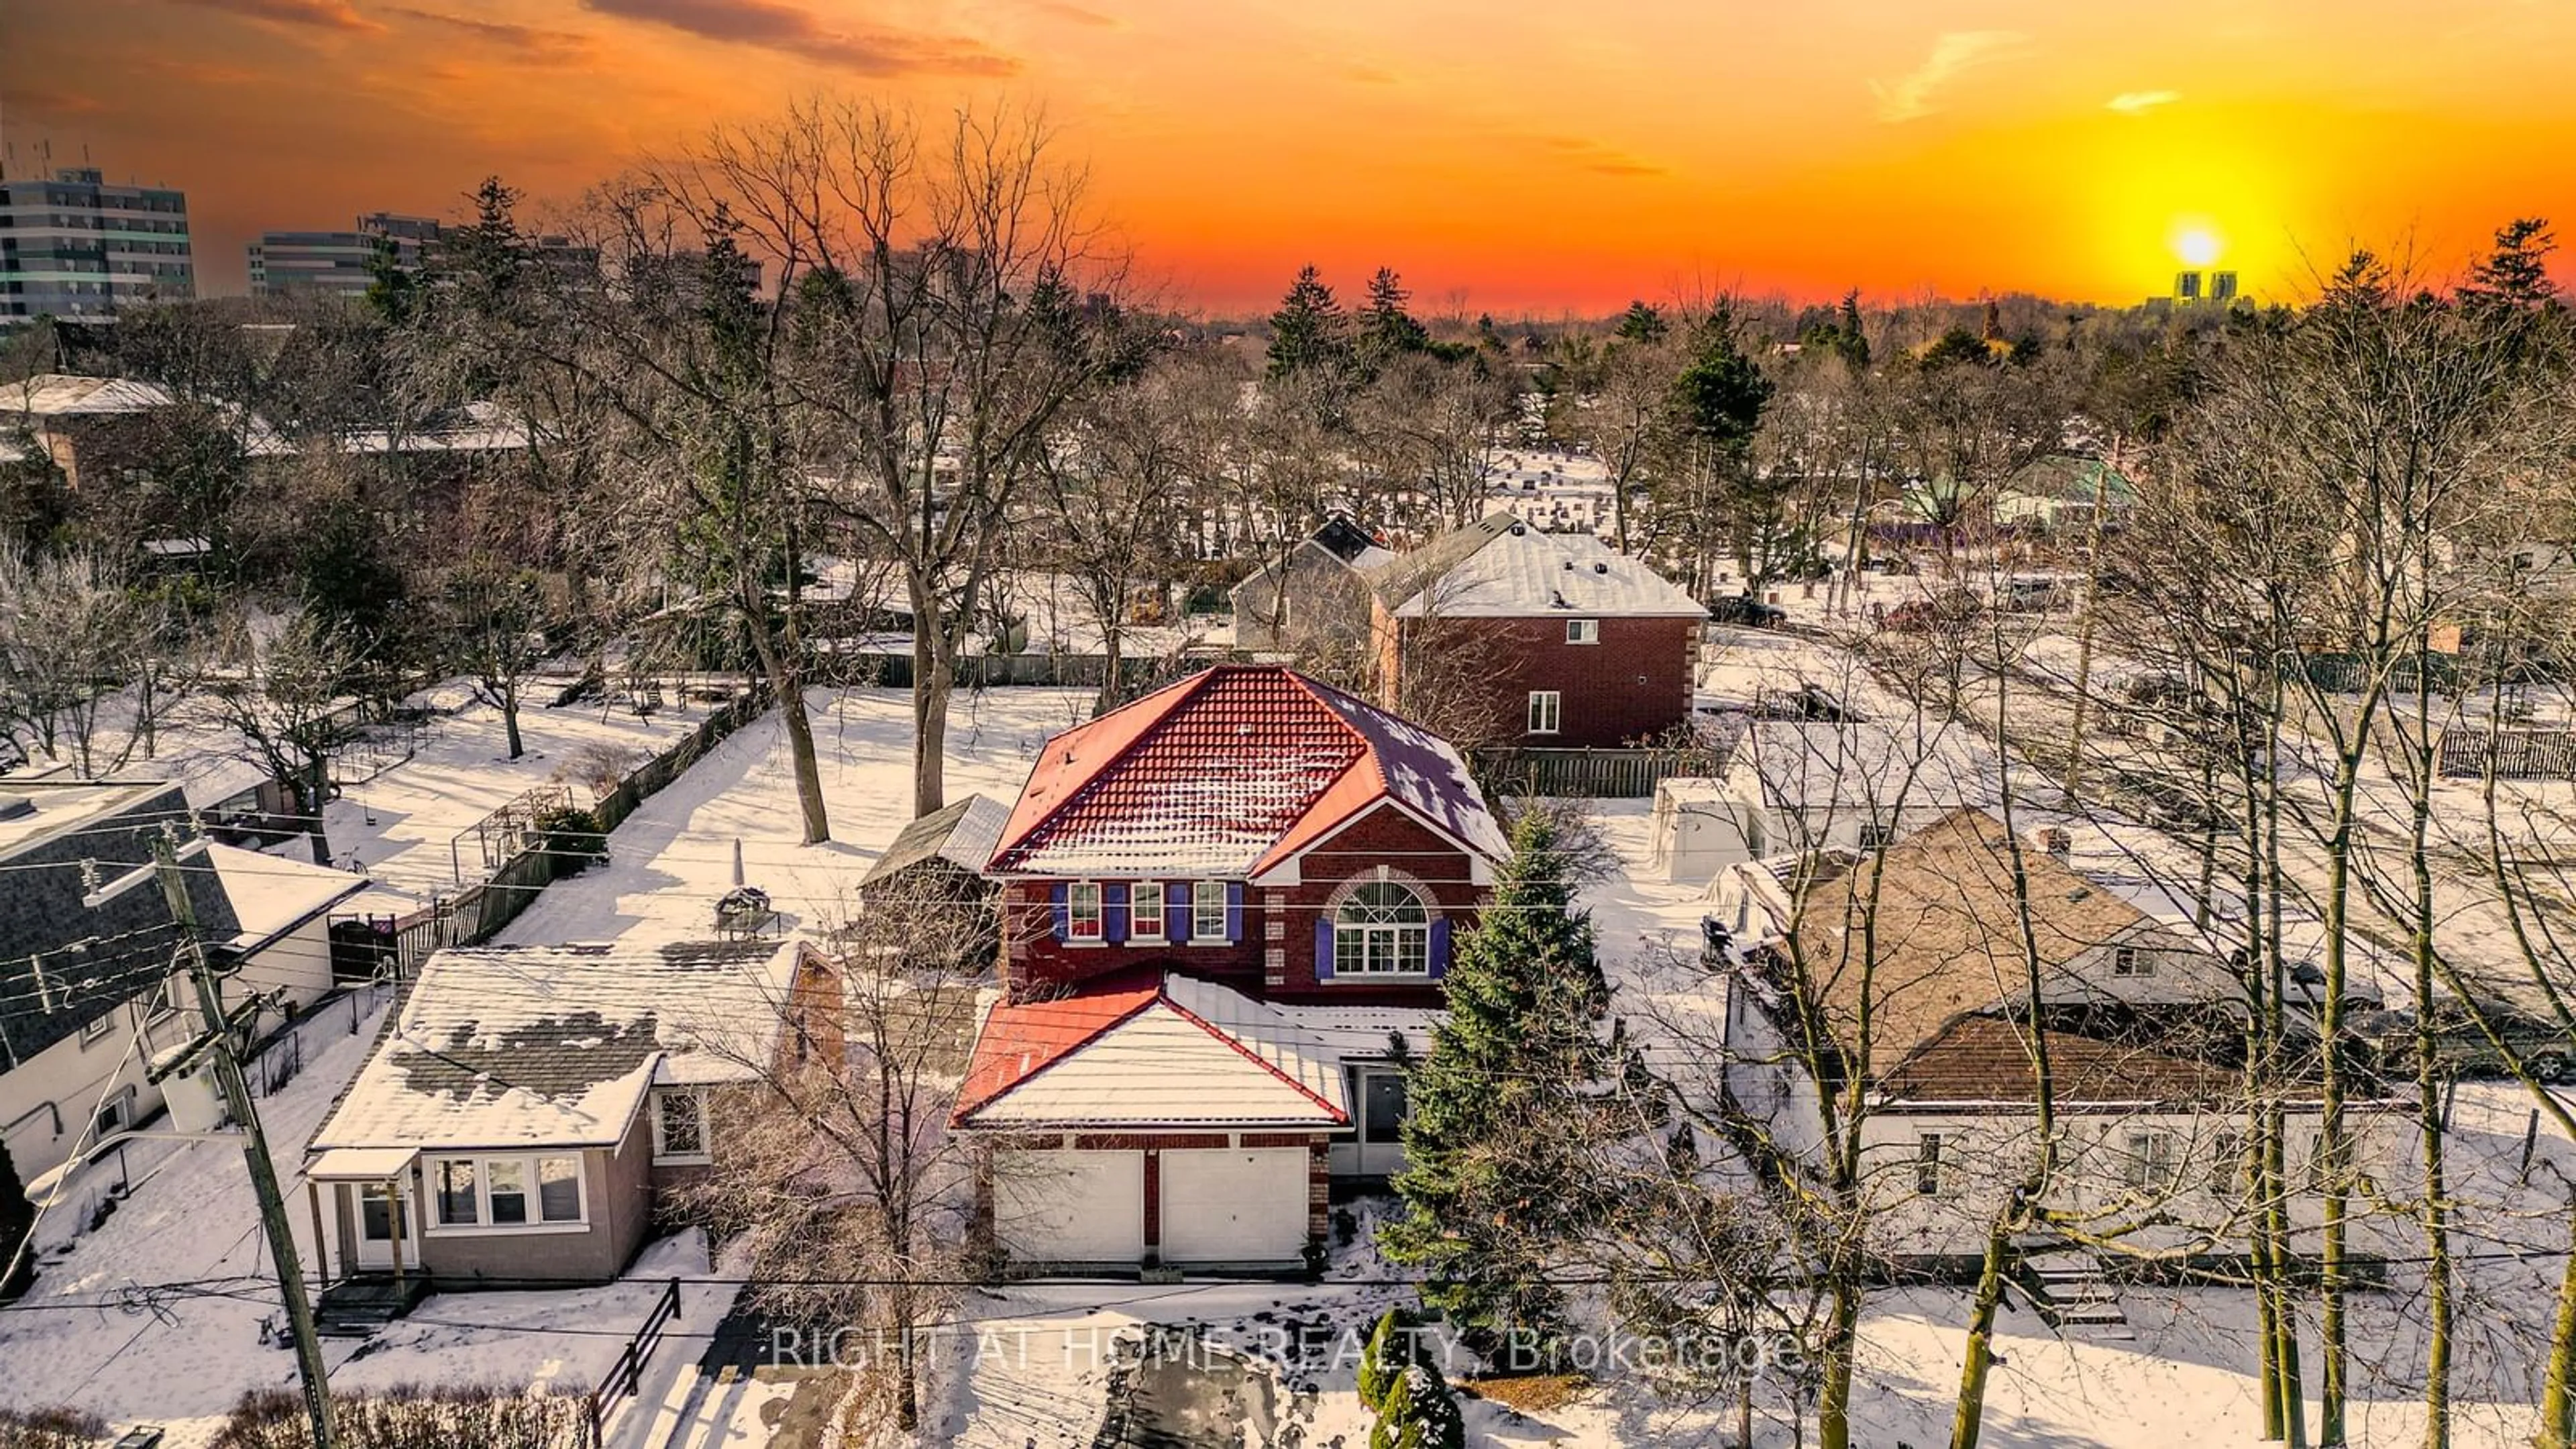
(1112, 480)
(287, 687)
(89, 659)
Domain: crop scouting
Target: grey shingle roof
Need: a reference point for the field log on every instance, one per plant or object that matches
(64, 964)
(963, 834)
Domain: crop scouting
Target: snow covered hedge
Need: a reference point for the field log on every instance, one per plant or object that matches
(415, 1418)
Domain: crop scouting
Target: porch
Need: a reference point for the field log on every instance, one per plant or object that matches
(366, 1237)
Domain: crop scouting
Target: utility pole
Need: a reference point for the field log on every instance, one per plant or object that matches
(263, 1173)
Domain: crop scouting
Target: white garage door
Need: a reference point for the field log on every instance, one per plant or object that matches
(1237, 1205)
(1070, 1207)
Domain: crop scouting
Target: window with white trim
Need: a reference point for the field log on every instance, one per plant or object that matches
(1381, 929)
(1927, 1164)
(1546, 711)
(507, 1192)
(2130, 961)
(93, 1032)
(1145, 911)
(1207, 911)
(680, 1126)
(1582, 631)
(1083, 913)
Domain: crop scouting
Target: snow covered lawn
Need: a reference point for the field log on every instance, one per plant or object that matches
(670, 861)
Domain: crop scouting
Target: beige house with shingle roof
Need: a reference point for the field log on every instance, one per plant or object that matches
(1908, 967)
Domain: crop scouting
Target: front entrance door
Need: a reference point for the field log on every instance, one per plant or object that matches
(381, 1209)
(1381, 1122)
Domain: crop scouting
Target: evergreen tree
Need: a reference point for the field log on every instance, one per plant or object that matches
(17, 1220)
(1722, 393)
(2516, 273)
(1419, 1413)
(1309, 334)
(1495, 1177)
(1643, 323)
(1387, 330)
(1854, 340)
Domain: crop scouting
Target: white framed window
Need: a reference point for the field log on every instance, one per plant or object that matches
(1145, 911)
(680, 1126)
(499, 1194)
(166, 1002)
(1207, 912)
(2130, 961)
(1381, 929)
(1582, 631)
(1084, 916)
(2150, 1167)
(2226, 1163)
(1546, 711)
(94, 1032)
(1927, 1164)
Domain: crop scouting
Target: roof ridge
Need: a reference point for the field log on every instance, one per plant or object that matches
(965, 1109)
(1181, 691)
(1163, 993)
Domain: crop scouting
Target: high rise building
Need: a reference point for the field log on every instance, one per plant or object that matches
(339, 261)
(74, 246)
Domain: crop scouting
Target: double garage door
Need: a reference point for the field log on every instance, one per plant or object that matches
(1219, 1205)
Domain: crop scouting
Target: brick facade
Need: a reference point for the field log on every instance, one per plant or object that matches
(1633, 685)
(1274, 956)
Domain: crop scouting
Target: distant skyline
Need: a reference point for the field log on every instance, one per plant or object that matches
(1503, 157)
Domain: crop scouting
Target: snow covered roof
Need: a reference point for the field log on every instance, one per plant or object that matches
(272, 895)
(1868, 767)
(556, 1046)
(1500, 567)
(55, 394)
(1148, 1049)
(963, 834)
(1227, 773)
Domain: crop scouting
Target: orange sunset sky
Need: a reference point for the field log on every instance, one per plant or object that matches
(1532, 157)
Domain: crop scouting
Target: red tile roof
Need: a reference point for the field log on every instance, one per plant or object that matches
(1228, 772)
(1981, 1058)
(1203, 1065)
(1021, 1040)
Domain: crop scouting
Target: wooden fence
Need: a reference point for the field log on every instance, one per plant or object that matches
(1617, 774)
(2515, 754)
(628, 1371)
(478, 912)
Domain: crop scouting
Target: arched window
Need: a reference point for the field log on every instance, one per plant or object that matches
(1381, 929)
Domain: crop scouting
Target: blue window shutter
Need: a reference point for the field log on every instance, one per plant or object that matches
(1113, 912)
(1176, 911)
(1439, 948)
(1062, 894)
(1234, 910)
(1324, 949)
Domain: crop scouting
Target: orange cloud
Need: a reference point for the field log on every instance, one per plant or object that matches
(774, 26)
(318, 14)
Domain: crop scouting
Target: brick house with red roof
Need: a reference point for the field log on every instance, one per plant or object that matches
(1221, 903)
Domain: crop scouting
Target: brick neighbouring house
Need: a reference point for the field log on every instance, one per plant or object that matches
(1500, 632)
(1221, 903)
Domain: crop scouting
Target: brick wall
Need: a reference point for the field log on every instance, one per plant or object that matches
(1275, 955)
(1634, 684)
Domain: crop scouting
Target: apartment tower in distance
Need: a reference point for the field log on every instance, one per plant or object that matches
(338, 261)
(74, 246)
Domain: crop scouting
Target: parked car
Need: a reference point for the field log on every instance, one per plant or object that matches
(2028, 596)
(1948, 613)
(1748, 611)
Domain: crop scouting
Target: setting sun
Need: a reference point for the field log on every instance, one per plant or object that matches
(2197, 246)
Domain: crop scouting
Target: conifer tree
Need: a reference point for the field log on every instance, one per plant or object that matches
(1387, 330)
(1309, 334)
(2516, 272)
(1643, 322)
(1499, 1111)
